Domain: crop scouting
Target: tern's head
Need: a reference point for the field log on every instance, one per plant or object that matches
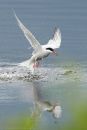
(51, 50)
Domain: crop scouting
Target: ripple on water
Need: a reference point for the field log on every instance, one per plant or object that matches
(61, 74)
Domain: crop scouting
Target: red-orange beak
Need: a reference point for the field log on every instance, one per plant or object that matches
(54, 53)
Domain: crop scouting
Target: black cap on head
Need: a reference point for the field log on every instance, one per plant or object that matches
(49, 49)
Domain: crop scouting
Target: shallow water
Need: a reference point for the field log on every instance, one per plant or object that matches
(55, 95)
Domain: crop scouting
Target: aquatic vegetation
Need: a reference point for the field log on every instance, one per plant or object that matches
(23, 122)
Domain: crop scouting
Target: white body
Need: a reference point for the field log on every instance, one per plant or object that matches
(35, 57)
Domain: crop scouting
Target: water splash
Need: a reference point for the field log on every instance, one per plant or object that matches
(11, 72)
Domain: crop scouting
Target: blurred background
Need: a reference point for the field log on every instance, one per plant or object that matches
(65, 84)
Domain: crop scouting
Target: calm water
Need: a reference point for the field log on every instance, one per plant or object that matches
(29, 102)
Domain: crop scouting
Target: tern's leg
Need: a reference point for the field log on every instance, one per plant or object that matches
(36, 64)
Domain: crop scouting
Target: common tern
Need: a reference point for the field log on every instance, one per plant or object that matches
(40, 51)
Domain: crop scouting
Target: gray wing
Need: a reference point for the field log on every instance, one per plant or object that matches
(30, 37)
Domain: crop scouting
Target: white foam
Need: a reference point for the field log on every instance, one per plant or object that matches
(11, 72)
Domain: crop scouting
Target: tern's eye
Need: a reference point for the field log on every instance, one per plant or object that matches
(49, 49)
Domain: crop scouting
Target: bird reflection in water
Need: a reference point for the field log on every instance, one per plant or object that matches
(42, 105)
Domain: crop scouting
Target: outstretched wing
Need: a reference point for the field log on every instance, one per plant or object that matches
(30, 37)
(55, 42)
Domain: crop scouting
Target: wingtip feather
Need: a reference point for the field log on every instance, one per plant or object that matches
(57, 34)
